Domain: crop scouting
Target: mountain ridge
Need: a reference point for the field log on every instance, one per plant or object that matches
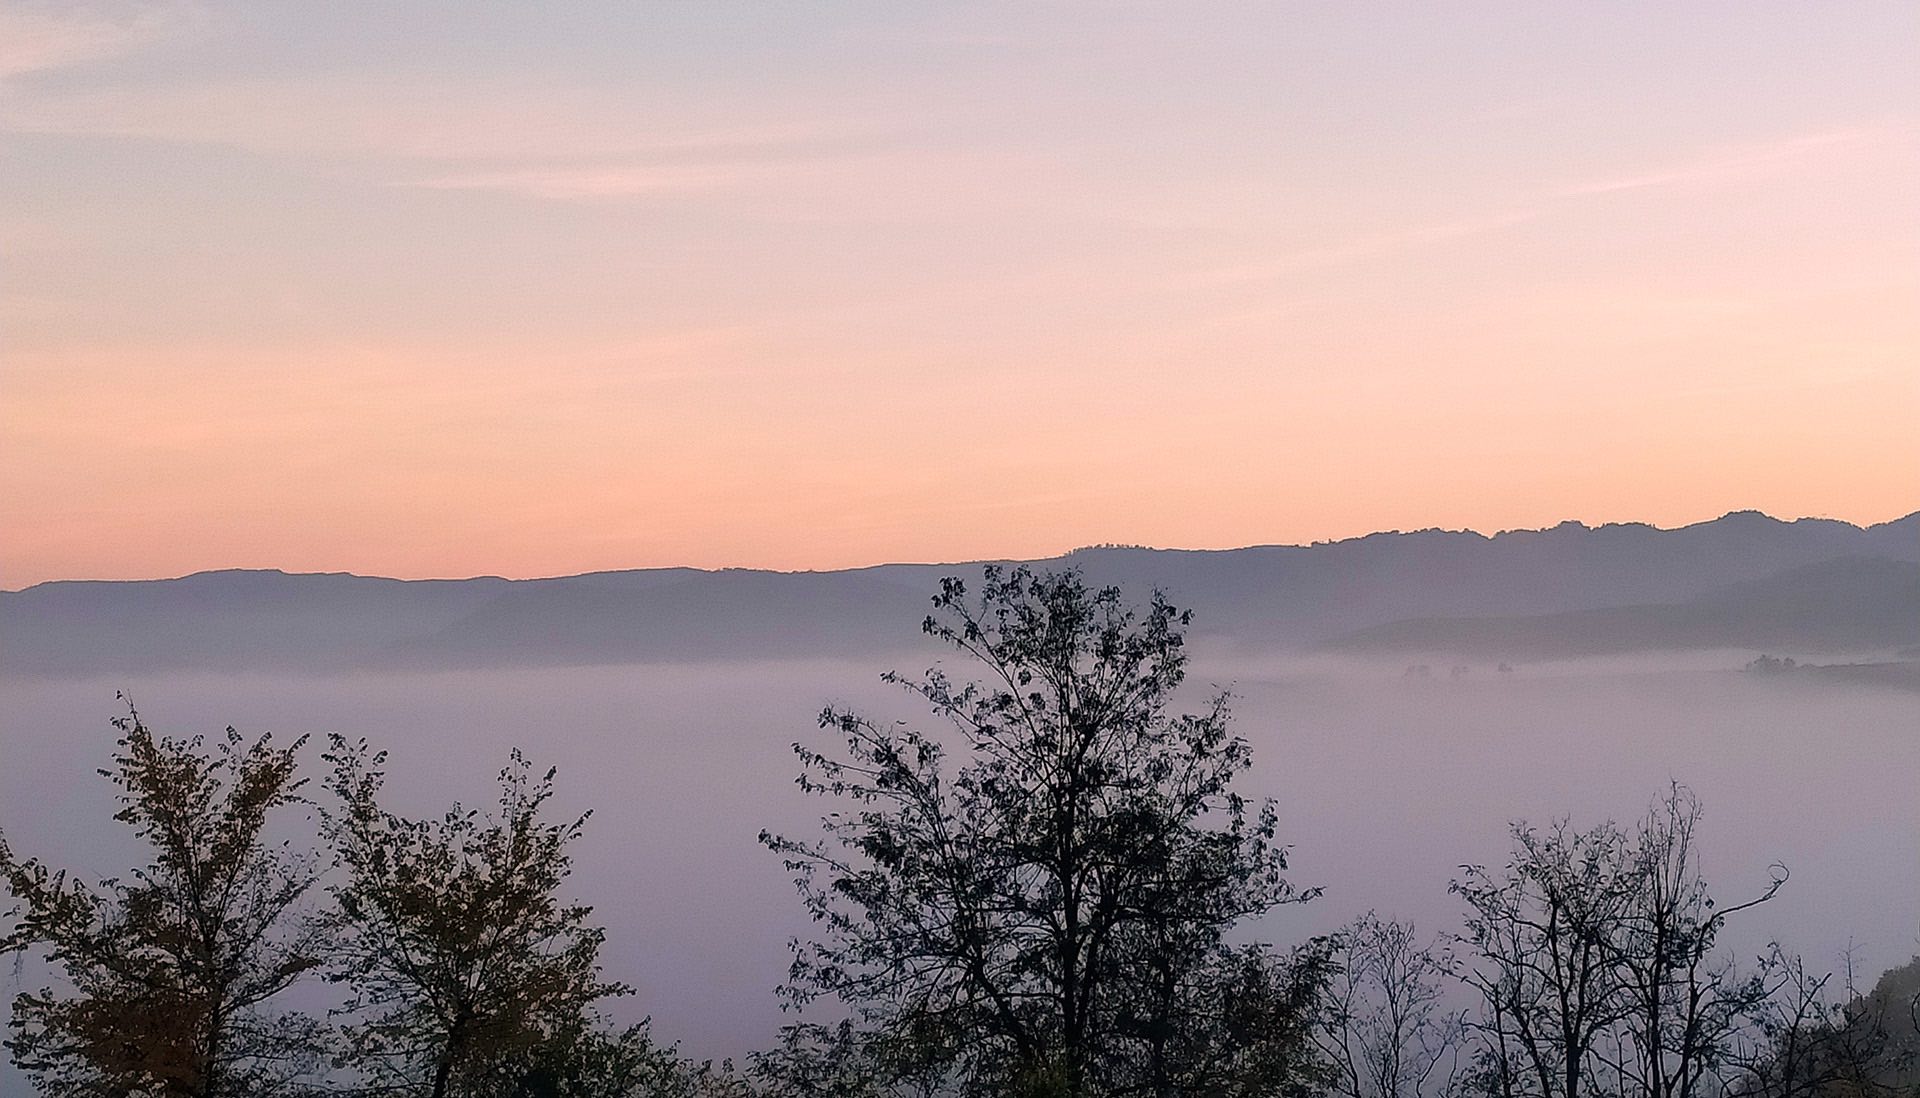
(1911, 519)
(1848, 604)
(1253, 598)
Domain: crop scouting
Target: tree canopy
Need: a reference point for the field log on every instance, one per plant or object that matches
(467, 973)
(170, 972)
(1037, 896)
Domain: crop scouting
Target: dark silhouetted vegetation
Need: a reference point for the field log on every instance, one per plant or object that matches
(1037, 898)
(466, 973)
(1386, 1029)
(169, 971)
(1594, 954)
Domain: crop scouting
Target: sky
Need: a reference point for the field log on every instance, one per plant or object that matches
(456, 289)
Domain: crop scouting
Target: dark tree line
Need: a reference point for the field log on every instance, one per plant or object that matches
(1048, 894)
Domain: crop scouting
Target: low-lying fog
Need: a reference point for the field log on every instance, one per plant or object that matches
(1385, 783)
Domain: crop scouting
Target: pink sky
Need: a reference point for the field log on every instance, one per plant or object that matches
(353, 290)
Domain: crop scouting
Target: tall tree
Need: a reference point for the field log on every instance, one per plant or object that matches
(1047, 914)
(467, 974)
(170, 972)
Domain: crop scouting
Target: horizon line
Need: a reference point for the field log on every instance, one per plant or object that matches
(1090, 547)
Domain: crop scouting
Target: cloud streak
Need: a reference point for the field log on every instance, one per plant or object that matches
(1727, 164)
(1369, 246)
(572, 183)
(473, 119)
(41, 40)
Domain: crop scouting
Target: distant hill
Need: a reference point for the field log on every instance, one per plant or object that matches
(1853, 604)
(1362, 594)
(703, 615)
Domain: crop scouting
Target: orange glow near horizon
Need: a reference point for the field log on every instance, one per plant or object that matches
(940, 286)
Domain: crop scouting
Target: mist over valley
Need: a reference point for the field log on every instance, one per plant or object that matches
(1367, 675)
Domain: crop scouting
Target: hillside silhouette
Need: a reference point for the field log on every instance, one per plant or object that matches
(1848, 605)
(1745, 580)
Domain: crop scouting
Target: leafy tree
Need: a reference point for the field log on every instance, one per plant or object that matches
(1238, 1024)
(467, 975)
(1048, 913)
(844, 1061)
(594, 1061)
(170, 971)
(1541, 934)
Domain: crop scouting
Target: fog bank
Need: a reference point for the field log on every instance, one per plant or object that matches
(1385, 783)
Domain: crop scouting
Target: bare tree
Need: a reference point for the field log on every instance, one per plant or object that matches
(1541, 934)
(1685, 1004)
(1386, 1027)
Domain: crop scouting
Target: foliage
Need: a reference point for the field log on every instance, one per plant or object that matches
(467, 975)
(1048, 914)
(169, 972)
(594, 1061)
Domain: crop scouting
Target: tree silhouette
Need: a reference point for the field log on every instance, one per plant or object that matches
(1822, 1036)
(467, 975)
(169, 971)
(1046, 913)
(1595, 957)
(1386, 1027)
(1687, 1006)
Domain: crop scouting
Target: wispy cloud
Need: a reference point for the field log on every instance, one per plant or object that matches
(669, 170)
(446, 120)
(563, 143)
(34, 39)
(1369, 245)
(1715, 166)
(1726, 164)
(593, 182)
